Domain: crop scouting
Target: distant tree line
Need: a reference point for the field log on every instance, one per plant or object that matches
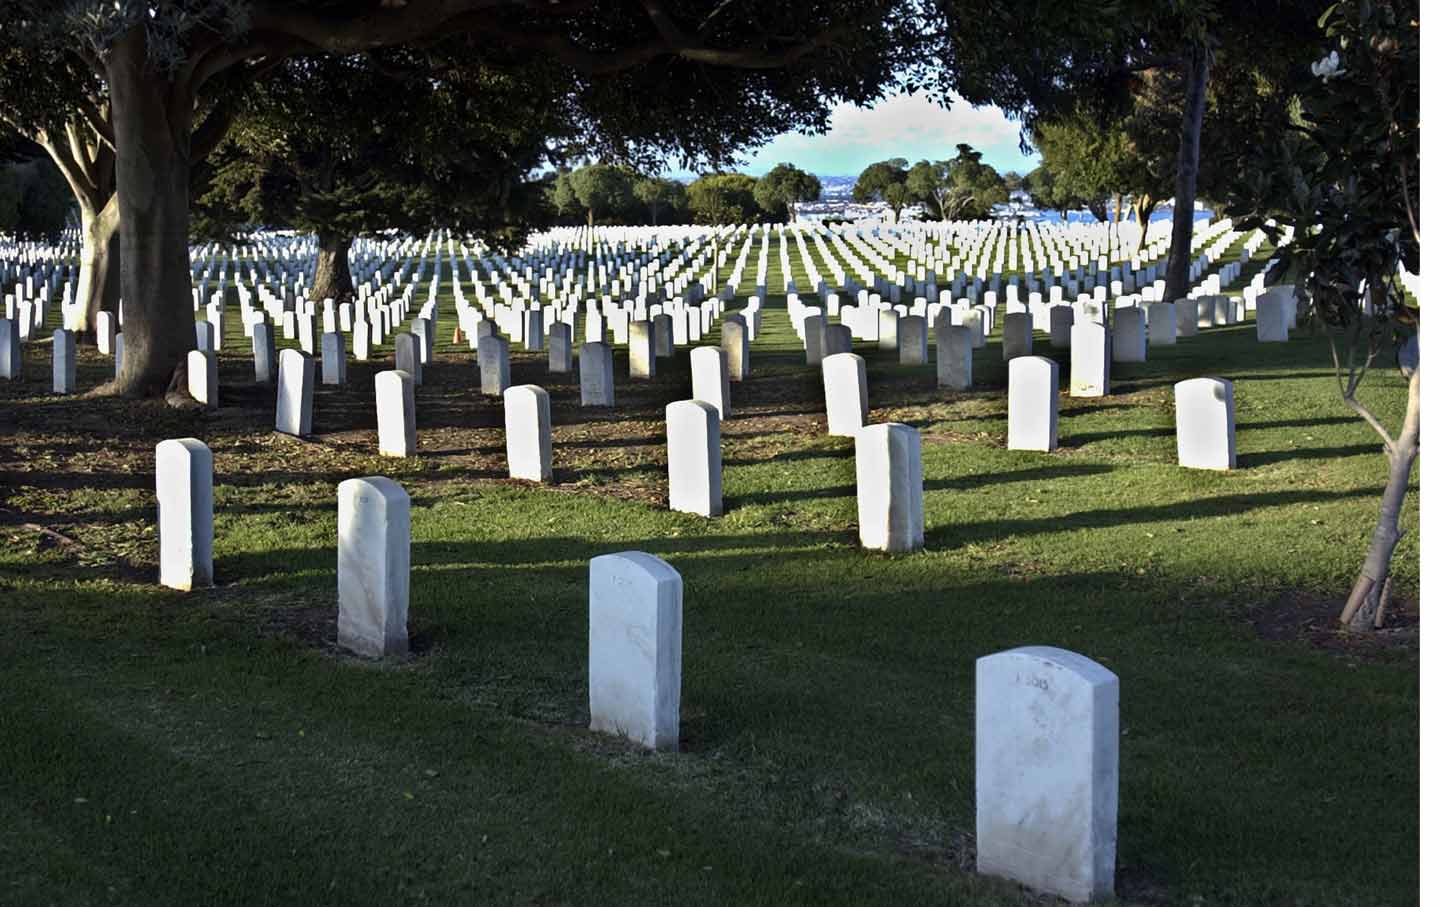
(612, 194)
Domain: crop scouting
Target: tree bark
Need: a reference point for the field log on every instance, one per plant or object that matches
(152, 121)
(1363, 607)
(99, 284)
(331, 279)
(1143, 211)
(1197, 75)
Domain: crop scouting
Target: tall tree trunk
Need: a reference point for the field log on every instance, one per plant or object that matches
(1143, 212)
(1197, 75)
(1367, 597)
(99, 285)
(152, 120)
(331, 279)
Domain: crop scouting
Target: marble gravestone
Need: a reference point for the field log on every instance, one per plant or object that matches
(10, 360)
(395, 413)
(692, 451)
(635, 648)
(1089, 360)
(373, 567)
(493, 355)
(1047, 771)
(332, 358)
(1205, 423)
(527, 432)
(708, 379)
(1034, 403)
(295, 396)
(642, 350)
(1018, 336)
(953, 357)
(62, 362)
(735, 340)
(597, 374)
(559, 353)
(847, 396)
(184, 491)
(1130, 334)
(202, 377)
(889, 487)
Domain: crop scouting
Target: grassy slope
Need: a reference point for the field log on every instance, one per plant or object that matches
(163, 748)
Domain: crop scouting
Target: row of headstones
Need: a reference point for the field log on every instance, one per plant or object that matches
(1046, 720)
(1204, 407)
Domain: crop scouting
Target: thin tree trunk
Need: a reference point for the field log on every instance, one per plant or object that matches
(99, 285)
(1197, 74)
(152, 171)
(1367, 595)
(331, 279)
(1143, 212)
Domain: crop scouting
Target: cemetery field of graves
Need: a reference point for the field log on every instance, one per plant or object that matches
(827, 711)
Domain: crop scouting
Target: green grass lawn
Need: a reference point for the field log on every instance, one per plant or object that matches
(206, 748)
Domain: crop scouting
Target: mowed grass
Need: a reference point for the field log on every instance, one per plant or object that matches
(168, 748)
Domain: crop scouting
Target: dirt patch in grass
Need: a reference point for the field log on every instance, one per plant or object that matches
(1314, 621)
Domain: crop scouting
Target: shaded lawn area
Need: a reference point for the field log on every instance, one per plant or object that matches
(162, 748)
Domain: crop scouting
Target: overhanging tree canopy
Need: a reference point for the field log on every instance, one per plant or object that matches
(638, 68)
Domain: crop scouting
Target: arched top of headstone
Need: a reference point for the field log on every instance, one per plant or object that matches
(636, 569)
(1219, 388)
(374, 487)
(1052, 658)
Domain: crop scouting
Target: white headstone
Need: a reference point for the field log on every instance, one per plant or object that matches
(373, 567)
(847, 395)
(1272, 315)
(559, 352)
(597, 374)
(493, 354)
(635, 635)
(889, 487)
(1130, 334)
(642, 350)
(692, 445)
(332, 358)
(409, 356)
(914, 338)
(295, 396)
(708, 379)
(11, 361)
(1018, 335)
(395, 413)
(1090, 360)
(1047, 771)
(62, 361)
(184, 490)
(1034, 400)
(953, 356)
(527, 432)
(735, 340)
(262, 345)
(1205, 423)
(202, 377)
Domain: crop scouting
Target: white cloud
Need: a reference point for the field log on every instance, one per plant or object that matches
(907, 126)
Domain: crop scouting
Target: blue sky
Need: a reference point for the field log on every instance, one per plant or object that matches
(907, 126)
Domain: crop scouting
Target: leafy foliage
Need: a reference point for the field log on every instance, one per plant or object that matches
(728, 198)
(1344, 175)
(785, 186)
(313, 149)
